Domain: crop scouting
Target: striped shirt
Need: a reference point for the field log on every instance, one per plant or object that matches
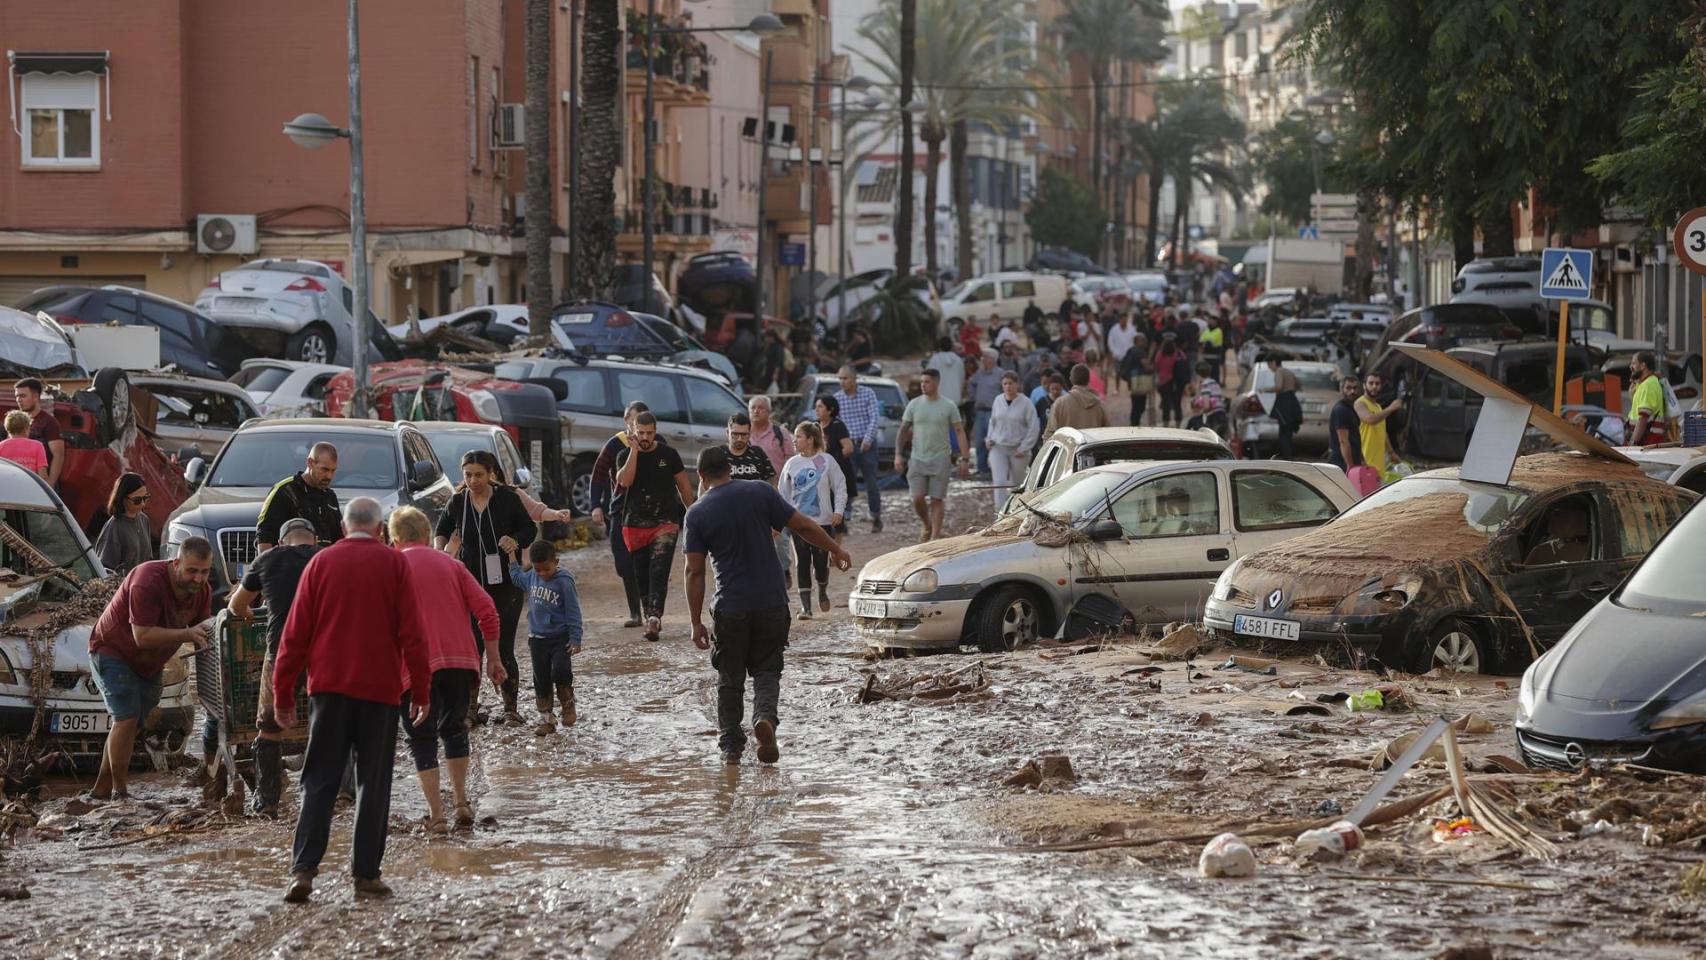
(861, 413)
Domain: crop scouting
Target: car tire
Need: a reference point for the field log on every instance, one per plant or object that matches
(112, 388)
(1007, 619)
(312, 344)
(580, 488)
(1453, 644)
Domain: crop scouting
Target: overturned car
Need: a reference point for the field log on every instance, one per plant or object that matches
(51, 592)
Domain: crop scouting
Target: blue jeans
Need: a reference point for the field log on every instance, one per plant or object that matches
(865, 464)
(129, 695)
(980, 430)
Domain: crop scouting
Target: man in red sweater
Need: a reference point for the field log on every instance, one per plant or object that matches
(355, 625)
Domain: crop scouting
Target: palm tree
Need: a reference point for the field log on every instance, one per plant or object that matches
(907, 44)
(1192, 132)
(600, 149)
(964, 75)
(1106, 33)
(539, 207)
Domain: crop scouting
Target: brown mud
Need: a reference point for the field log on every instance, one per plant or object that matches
(887, 830)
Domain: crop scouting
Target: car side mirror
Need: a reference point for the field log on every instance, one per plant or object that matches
(523, 477)
(1102, 531)
(423, 474)
(195, 472)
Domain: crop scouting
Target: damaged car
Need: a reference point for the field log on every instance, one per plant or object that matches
(1440, 571)
(51, 592)
(1628, 683)
(1126, 542)
(1070, 449)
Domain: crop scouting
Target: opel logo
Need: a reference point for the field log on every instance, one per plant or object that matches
(1575, 754)
(1275, 598)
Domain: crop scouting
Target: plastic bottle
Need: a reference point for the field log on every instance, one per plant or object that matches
(1329, 843)
(1227, 856)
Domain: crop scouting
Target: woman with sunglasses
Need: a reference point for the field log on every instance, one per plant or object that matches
(125, 541)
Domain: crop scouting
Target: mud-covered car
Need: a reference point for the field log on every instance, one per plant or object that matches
(1628, 683)
(1140, 541)
(45, 620)
(1436, 571)
(1070, 449)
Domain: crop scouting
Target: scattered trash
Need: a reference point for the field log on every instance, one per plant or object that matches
(1337, 696)
(1446, 831)
(1203, 720)
(1329, 843)
(1142, 671)
(1366, 700)
(949, 686)
(1053, 769)
(1267, 668)
(14, 891)
(1472, 723)
(1694, 881)
(1307, 710)
(1178, 642)
(1329, 808)
(1227, 856)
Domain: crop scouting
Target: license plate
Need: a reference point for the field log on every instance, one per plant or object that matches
(876, 609)
(80, 723)
(238, 305)
(1314, 407)
(1265, 627)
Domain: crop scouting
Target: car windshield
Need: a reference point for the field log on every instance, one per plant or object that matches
(1487, 508)
(1078, 494)
(671, 335)
(1148, 450)
(1317, 378)
(451, 446)
(260, 379)
(1668, 579)
(47, 531)
(1142, 282)
(262, 458)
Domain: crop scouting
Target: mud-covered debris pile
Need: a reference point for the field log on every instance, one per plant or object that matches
(967, 682)
(85, 607)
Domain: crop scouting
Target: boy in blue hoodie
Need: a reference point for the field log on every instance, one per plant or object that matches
(553, 629)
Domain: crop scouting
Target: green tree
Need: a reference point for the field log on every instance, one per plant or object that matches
(1659, 171)
(1189, 139)
(1286, 159)
(601, 150)
(1066, 213)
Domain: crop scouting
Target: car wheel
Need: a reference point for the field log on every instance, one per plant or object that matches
(580, 491)
(311, 345)
(1452, 646)
(1007, 620)
(112, 388)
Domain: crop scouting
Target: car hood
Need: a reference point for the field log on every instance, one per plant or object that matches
(70, 648)
(971, 557)
(214, 508)
(29, 343)
(1619, 659)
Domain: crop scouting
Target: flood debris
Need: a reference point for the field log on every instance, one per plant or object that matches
(1331, 842)
(1227, 855)
(970, 680)
(1049, 771)
(1178, 642)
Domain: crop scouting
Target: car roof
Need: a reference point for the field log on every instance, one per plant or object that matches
(626, 363)
(1093, 435)
(1676, 456)
(456, 426)
(295, 365)
(1541, 472)
(327, 423)
(1135, 467)
(167, 377)
(1494, 347)
(21, 488)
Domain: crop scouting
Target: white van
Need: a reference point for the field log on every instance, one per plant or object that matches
(1004, 294)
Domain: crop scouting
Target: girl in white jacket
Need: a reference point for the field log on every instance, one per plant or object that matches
(813, 482)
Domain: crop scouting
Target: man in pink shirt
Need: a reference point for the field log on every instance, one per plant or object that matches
(19, 448)
(448, 596)
(777, 444)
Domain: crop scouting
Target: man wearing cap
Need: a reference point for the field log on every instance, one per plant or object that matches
(308, 495)
(273, 577)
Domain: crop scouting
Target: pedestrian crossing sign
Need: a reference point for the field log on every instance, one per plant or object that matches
(1566, 273)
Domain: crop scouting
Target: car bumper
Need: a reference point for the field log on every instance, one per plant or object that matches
(910, 624)
(1681, 749)
(1364, 633)
(170, 722)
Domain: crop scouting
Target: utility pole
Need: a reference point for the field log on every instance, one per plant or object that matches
(357, 225)
(763, 185)
(646, 188)
(574, 150)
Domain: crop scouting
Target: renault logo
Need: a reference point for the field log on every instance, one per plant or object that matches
(1275, 598)
(1575, 754)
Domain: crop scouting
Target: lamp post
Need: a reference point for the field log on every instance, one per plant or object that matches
(313, 131)
(762, 25)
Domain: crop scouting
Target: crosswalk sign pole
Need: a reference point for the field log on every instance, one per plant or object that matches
(1563, 340)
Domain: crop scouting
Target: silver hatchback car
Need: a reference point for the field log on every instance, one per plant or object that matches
(295, 309)
(1145, 540)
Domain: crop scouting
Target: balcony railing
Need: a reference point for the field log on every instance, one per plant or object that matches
(681, 57)
(681, 210)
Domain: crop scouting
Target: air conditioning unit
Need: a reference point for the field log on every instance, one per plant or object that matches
(226, 233)
(511, 133)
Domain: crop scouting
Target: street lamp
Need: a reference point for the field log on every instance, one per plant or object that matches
(763, 25)
(312, 131)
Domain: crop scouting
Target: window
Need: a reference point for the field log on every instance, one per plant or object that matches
(119, 309)
(1567, 532)
(1014, 289)
(1177, 506)
(474, 112)
(1646, 517)
(260, 379)
(1267, 500)
(657, 391)
(982, 293)
(416, 449)
(708, 404)
(587, 392)
(186, 406)
(171, 322)
(62, 120)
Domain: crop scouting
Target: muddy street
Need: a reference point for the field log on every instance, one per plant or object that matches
(887, 829)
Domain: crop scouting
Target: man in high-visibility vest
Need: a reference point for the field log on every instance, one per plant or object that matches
(1650, 422)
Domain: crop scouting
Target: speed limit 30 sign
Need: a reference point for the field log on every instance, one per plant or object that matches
(1689, 240)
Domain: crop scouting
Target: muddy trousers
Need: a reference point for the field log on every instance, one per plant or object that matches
(339, 727)
(624, 566)
(553, 668)
(509, 599)
(807, 559)
(651, 572)
(747, 645)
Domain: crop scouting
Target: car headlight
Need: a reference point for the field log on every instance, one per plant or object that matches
(1525, 692)
(177, 533)
(919, 581)
(1387, 598)
(1687, 713)
(1223, 584)
(485, 406)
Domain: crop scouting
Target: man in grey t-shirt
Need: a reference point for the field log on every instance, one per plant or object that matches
(928, 422)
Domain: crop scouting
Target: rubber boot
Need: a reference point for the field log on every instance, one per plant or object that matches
(566, 697)
(806, 604)
(511, 715)
(269, 776)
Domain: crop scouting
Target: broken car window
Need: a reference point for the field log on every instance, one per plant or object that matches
(1488, 507)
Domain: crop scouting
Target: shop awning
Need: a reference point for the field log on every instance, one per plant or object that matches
(58, 61)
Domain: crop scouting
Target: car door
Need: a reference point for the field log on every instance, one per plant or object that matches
(1564, 556)
(1175, 543)
(1269, 506)
(431, 498)
(1015, 296)
(1438, 423)
(661, 393)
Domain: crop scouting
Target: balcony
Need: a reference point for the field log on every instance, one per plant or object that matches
(685, 220)
(680, 70)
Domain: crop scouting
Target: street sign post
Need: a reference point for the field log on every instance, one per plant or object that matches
(1565, 274)
(1689, 242)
